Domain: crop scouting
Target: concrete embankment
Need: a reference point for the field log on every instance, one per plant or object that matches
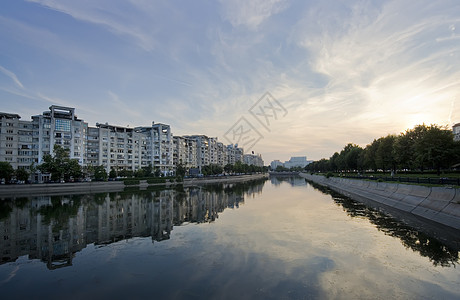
(438, 204)
(24, 190)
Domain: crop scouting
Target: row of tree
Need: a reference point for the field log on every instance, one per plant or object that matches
(63, 168)
(418, 149)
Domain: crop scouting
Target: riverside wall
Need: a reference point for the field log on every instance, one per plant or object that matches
(24, 190)
(438, 204)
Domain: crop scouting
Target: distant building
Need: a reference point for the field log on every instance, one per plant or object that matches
(456, 130)
(299, 161)
(275, 164)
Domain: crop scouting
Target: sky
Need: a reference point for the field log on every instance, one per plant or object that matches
(283, 78)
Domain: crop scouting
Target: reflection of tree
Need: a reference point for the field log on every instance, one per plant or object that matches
(5, 209)
(438, 253)
(62, 208)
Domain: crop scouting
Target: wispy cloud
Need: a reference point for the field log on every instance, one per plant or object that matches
(251, 13)
(12, 76)
(120, 17)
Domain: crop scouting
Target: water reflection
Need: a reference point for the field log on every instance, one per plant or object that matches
(439, 253)
(277, 180)
(54, 228)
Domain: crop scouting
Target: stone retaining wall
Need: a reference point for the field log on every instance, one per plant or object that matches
(438, 204)
(19, 190)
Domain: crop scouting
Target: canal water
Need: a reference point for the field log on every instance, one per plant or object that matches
(277, 239)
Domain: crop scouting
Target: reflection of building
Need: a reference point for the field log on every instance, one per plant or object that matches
(106, 218)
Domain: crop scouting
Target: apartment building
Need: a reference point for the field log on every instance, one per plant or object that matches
(17, 141)
(221, 154)
(24, 143)
(253, 159)
(456, 131)
(159, 146)
(234, 154)
(60, 126)
(117, 147)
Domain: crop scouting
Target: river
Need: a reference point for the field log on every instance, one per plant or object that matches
(281, 238)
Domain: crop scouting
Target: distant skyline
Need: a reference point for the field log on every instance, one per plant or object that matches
(343, 71)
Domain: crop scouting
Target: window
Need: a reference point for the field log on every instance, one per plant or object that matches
(9, 138)
(62, 125)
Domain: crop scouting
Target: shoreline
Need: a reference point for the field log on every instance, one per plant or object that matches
(435, 204)
(27, 190)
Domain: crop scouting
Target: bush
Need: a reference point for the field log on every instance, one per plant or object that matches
(131, 182)
(329, 174)
(156, 180)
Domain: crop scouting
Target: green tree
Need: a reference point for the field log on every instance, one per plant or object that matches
(22, 174)
(73, 170)
(437, 148)
(113, 173)
(180, 170)
(100, 174)
(60, 166)
(370, 153)
(148, 170)
(6, 171)
(384, 156)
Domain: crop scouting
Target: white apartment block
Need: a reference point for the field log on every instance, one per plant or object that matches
(253, 159)
(179, 150)
(221, 154)
(60, 126)
(117, 147)
(17, 141)
(234, 154)
(202, 149)
(24, 143)
(456, 131)
(159, 146)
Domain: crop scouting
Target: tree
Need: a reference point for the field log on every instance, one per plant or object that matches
(384, 156)
(148, 170)
(73, 170)
(6, 171)
(60, 166)
(100, 174)
(22, 174)
(112, 173)
(180, 170)
(370, 155)
(437, 148)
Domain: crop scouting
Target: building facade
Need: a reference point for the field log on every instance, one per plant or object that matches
(456, 131)
(24, 143)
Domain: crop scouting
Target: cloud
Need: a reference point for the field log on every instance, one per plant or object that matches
(12, 76)
(251, 14)
(120, 17)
